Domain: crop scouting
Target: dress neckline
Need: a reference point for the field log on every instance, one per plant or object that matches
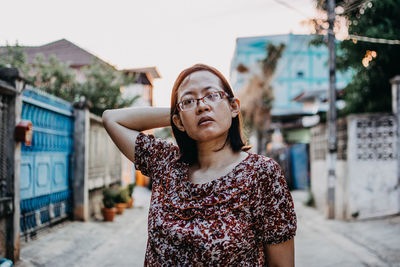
(212, 182)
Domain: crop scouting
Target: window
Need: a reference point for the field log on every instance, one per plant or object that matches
(300, 74)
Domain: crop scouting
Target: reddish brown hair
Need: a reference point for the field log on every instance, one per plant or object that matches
(186, 144)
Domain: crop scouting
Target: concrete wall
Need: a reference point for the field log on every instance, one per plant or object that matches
(366, 169)
(104, 156)
(319, 186)
(105, 165)
(372, 166)
(95, 203)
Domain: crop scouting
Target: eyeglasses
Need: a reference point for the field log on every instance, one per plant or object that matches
(210, 98)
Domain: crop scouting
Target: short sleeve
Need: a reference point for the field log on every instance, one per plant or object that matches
(153, 154)
(276, 220)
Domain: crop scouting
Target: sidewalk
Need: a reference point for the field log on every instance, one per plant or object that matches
(95, 243)
(122, 243)
(321, 242)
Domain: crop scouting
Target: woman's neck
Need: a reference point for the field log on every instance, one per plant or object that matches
(211, 156)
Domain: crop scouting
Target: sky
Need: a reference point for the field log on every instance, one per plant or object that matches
(169, 34)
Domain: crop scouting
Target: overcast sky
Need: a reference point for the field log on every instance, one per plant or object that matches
(168, 34)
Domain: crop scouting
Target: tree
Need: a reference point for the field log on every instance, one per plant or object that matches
(54, 77)
(373, 64)
(14, 56)
(101, 85)
(257, 97)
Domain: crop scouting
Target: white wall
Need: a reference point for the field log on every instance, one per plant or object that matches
(132, 90)
(372, 166)
(319, 186)
(366, 182)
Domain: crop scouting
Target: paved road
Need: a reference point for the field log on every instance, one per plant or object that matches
(318, 242)
(321, 242)
(78, 244)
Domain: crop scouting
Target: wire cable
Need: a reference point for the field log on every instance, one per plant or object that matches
(292, 8)
(373, 40)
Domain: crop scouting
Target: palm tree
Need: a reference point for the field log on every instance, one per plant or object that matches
(257, 96)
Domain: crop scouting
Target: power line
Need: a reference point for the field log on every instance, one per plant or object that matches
(373, 40)
(368, 39)
(292, 8)
(350, 7)
(355, 5)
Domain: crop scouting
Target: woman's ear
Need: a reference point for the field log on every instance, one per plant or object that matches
(235, 107)
(178, 123)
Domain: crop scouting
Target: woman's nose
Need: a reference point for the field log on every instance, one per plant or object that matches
(202, 105)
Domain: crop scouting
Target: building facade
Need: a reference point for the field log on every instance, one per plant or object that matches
(302, 68)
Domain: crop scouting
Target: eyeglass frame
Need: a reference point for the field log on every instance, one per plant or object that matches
(202, 99)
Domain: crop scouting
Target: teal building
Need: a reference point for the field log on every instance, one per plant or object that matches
(303, 68)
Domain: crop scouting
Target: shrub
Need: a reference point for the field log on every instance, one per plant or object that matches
(122, 196)
(108, 198)
(130, 188)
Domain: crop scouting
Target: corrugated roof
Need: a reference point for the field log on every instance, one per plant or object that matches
(68, 52)
(63, 50)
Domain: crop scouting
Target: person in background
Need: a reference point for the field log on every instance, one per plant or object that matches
(213, 203)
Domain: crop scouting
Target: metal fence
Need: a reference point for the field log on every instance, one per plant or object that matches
(45, 189)
(6, 206)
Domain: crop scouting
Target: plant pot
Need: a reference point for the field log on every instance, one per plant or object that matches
(108, 214)
(120, 207)
(130, 203)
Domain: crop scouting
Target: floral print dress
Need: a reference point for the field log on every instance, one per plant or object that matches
(224, 222)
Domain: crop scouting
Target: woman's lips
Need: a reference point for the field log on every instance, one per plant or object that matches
(205, 120)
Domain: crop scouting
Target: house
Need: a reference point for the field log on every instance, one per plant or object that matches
(78, 58)
(143, 86)
(63, 50)
(299, 85)
(301, 75)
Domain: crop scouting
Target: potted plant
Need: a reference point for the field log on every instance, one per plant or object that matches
(121, 200)
(130, 192)
(108, 210)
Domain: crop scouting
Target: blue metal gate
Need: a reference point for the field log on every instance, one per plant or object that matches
(46, 165)
(300, 169)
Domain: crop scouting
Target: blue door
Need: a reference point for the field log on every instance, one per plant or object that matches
(45, 189)
(300, 170)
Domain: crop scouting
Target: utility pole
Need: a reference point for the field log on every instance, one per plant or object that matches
(332, 138)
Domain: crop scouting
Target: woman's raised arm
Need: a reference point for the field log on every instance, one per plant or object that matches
(123, 125)
(280, 255)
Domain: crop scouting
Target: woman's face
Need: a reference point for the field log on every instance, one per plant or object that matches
(205, 121)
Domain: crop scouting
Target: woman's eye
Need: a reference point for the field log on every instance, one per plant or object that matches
(212, 96)
(187, 101)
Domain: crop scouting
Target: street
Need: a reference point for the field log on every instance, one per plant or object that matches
(122, 243)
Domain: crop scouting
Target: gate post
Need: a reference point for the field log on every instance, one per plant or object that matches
(81, 161)
(11, 86)
(395, 81)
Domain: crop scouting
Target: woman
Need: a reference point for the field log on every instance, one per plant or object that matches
(213, 204)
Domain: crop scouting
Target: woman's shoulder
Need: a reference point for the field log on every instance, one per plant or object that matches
(263, 170)
(262, 164)
(154, 154)
(148, 142)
